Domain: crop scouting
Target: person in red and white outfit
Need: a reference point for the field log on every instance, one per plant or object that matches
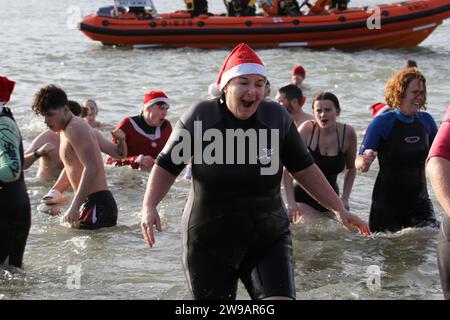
(146, 133)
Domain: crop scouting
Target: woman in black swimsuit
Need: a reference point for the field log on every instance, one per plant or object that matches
(333, 147)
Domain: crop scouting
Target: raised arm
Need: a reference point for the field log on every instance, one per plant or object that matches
(117, 150)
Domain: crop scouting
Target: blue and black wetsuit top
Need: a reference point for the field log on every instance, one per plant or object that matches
(330, 166)
(234, 221)
(400, 197)
(15, 212)
(13, 191)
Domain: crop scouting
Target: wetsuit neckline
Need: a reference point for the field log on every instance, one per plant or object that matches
(403, 117)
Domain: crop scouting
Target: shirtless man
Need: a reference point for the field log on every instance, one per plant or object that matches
(45, 149)
(93, 205)
(291, 97)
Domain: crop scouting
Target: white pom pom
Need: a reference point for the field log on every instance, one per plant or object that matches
(214, 90)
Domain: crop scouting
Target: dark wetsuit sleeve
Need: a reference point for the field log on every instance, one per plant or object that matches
(378, 130)
(428, 122)
(169, 159)
(294, 153)
(10, 165)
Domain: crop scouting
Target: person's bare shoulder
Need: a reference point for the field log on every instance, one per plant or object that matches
(350, 135)
(305, 127)
(78, 131)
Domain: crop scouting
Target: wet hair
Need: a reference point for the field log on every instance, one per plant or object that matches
(291, 92)
(93, 102)
(49, 97)
(74, 107)
(84, 111)
(396, 86)
(323, 95)
(411, 64)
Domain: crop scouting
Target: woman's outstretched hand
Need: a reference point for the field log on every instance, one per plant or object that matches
(149, 218)
(351, 221)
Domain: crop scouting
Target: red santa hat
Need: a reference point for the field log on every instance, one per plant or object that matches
(6, 88)
(299, 70)
(378, 108)
(155, 96)
(242, 60)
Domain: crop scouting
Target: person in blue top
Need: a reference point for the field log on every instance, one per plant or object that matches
(401, 139)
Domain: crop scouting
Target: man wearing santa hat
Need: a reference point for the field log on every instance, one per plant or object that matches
(146, 133)
(15, 212)
(93, 205)
(234, 224)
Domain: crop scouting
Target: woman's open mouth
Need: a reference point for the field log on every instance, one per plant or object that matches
(247, 104)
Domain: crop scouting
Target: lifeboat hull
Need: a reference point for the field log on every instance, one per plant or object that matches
(403, 24)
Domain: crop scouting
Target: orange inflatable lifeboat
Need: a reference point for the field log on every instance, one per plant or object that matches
(396, 25)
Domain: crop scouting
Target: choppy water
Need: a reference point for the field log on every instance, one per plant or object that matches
(38, 48)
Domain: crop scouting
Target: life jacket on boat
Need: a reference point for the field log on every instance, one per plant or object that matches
(319, 6)
(270, 7)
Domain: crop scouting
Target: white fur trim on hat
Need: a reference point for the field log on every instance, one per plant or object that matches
(241, 69)
(153, 101)
(214, 90)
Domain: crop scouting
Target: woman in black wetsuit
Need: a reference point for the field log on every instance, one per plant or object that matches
(333, 147)
(401, 139)
(15, 212)
(234, 224)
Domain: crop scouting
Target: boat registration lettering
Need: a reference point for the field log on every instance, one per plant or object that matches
(417, 6)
